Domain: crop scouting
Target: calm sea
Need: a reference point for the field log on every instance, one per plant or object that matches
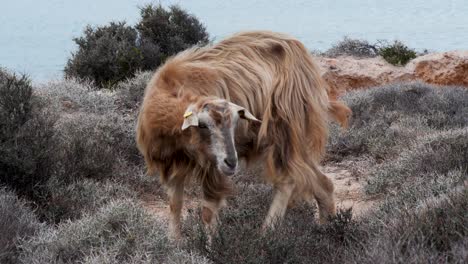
(36, 35)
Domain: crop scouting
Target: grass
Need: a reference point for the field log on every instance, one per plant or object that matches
(74, 148)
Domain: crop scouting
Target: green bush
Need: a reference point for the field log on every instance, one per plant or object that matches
(17, 221)
(26, 132)
(109, 54)
(106, 54)
(171, 30)
(396, 53)
(15, 102)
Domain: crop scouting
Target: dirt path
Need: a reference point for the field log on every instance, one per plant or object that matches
(159, 207)
(349, 192)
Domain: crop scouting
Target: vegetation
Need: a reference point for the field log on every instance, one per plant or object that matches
(130, 236)
(109, 54)
(106, 54)
(395, 53)
(352, 47)
(75, 184)
(170, 30)
(25, 135)
(17, 221)
(389, 119)
(73, 187)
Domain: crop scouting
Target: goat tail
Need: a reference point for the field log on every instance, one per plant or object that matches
(294, 126)
(339, 112)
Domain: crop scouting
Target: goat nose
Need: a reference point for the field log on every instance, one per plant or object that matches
(231, 162)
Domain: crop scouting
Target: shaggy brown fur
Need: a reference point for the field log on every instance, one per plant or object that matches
(270, 74)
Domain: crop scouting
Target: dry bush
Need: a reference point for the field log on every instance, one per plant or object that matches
(17, 221)
(130, 92)
(71, 95)
(70, 201)
(73, 150)
(50, 152)
(297, 240)
(185, 257)
(434, 233)
(91, 145)
(435, 155)
(120, 232)
(395, 53)
(352, 47)
(386, 120)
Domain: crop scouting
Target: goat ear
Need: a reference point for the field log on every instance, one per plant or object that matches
(244, 113)
(190, 119)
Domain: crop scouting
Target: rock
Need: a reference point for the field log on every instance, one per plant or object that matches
(349, 73)
(446, 68)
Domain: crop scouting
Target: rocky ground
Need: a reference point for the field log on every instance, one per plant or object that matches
(349, 73)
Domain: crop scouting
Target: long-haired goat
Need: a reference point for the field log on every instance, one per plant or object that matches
(199, 117)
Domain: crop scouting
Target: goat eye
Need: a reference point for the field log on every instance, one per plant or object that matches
(202, 125)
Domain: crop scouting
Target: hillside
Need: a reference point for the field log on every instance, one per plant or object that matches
(74, 188)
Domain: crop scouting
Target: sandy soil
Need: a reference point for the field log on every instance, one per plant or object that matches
(348, 191)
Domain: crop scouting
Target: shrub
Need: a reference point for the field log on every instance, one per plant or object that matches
(433, 234)
(414, 193)
(352, 47)
(15, 102)
(109, 54)
(184, 257)
(297, 240)
(106, 54)
(70, 95)
(437, 155)
(26, 131)
(130, 92)
(120, 232)
(93, 145)
(17, 221)
(172, 30)
(396, 53)
(69, 201)
(387, 120)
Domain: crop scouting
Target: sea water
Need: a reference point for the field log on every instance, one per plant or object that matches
(36, 36)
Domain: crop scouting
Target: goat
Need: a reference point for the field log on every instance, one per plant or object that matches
(199, 117)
